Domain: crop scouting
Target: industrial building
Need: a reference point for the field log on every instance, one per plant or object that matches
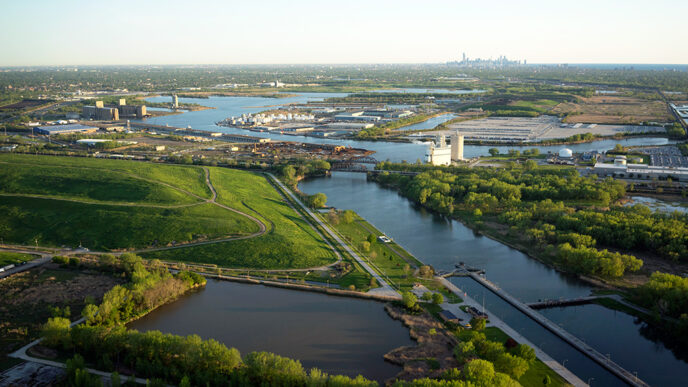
(621, 169)
(64, 129)
(456, 146)
(241, 138)
(130, 111)
(386, 113)
(113, 113)
(440, 153)
(356, 116)
(175, 101)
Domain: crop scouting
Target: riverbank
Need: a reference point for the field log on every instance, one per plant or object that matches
(431, 356)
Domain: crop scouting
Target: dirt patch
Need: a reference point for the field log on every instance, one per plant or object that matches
(613, 110)
(27, 299)
(56, 288)
(414, 359)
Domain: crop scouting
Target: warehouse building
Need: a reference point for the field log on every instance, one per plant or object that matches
(620, 169)
(241, 138)
(64, 129)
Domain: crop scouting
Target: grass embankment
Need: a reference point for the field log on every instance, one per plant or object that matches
(290, 242)
(390, 260)
(8, 258)
(109, 205)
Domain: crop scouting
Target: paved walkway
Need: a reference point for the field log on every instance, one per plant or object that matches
(569, 376)
(384, 289)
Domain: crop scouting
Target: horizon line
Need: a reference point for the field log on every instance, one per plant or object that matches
(338, 64)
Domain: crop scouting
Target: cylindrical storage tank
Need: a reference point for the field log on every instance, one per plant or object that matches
(565, 153)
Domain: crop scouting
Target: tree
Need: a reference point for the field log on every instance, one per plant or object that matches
(478, 323)
(427, 296)
(348, 216)
(511, 365)
(437, 298)
(546, 380)
(409, 300)
(371, 238)
(529, 165)
(493, 151)
(525, 352)
(479, 371)
(318, 200)
(55, 332)
(365, 246)
(89, 313)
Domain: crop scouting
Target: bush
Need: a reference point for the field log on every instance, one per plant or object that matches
(60, 260)
(437, 298)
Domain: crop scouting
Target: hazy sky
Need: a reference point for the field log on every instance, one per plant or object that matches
(51, 32)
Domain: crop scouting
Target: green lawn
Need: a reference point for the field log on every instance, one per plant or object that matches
(89, 184)
(106, 227)
(8, 258)
(189, 178)
(290, 243)
(93, 213)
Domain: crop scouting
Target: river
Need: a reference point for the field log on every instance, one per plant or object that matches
(339, 335)
(235, 106)
(442, 243)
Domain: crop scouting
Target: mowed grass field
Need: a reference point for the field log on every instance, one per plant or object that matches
(114, 205)
(289, 243)
(109, 205)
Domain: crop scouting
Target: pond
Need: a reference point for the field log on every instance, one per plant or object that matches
(336, 334)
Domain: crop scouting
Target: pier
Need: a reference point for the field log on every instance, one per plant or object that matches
(584, 348)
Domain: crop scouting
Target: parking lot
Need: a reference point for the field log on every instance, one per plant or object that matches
(665, 156)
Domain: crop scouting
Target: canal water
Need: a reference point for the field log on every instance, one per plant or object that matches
(339, 335)
(443, 243)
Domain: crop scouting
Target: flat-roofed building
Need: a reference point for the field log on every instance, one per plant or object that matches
(242, 138)
(64, 129)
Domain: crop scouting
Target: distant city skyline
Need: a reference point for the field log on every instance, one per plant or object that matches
(76, 32)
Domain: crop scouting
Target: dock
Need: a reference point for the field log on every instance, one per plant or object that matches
(584, 348)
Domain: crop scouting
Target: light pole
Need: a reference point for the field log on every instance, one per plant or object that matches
(563, 364)
(590, 381)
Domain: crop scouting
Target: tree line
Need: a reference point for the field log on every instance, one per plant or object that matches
(563, 213)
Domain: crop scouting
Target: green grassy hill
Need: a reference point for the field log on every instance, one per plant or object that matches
(109, 205)
(290, 242)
